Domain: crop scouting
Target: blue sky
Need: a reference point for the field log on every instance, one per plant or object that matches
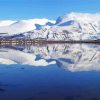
(51, 9)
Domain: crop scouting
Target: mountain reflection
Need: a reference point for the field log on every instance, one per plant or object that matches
(71, 57)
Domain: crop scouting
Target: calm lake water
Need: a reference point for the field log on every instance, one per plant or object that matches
(50, 72)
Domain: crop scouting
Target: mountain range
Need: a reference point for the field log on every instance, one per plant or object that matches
(69, 27)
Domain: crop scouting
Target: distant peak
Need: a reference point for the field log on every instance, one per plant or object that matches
(89, 17)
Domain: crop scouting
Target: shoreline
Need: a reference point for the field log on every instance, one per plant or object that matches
(45, 41)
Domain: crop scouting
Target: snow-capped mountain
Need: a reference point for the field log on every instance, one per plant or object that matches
(6, 22)
(16, 27)
(73, 26)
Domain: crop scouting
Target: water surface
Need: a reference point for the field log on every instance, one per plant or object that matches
(50, 72)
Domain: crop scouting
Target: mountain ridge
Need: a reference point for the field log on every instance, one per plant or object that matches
(69, 27)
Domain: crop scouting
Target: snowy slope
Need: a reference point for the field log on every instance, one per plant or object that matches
(73, 26)
(6, 22)
(81, 25)
(15, 27)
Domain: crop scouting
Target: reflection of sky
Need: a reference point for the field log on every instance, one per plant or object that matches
(72, 57)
